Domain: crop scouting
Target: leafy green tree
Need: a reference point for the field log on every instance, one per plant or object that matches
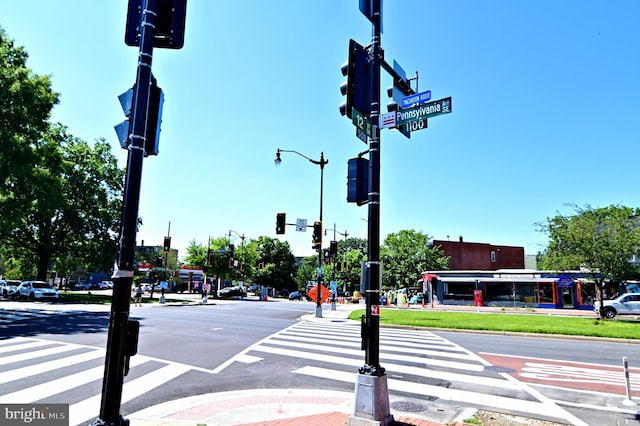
(307, 271)
(351, 252)
(279, 263)
(70, 207)
(598, 240)
(59, 197)
(405, 255)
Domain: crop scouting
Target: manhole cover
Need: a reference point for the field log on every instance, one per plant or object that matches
(408, 406)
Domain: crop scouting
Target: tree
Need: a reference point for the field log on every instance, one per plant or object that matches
(600, 241)
(405, 255)
(69, 206)
(279, 262)
(59, 198)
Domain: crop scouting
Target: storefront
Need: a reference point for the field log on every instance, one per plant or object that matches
(535, 289)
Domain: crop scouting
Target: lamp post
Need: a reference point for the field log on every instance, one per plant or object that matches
(320, 163)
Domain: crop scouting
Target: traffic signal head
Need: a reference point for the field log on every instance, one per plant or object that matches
(154, 118)
(231, 250)
(358, 181)
(400, 89)
(167, 244)
(357, 88)
(280, 223)
(333, 248)
(317, 235)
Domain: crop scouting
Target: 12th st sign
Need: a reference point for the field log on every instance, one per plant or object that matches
(428, 110)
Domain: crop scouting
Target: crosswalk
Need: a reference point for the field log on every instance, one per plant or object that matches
(418, 364)
(41, 371)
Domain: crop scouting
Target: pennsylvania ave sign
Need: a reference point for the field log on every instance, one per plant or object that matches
(428, 110)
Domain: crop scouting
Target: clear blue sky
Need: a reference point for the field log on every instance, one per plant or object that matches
(546, 111)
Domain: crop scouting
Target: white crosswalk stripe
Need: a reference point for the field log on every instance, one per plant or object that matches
(49, 378)
(417, 363)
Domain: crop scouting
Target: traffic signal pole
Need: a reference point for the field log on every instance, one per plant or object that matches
(122, 337)
(371, 393)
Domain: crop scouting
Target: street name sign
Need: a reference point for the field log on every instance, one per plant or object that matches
(361, 122)
(417, 98)
(431, 109)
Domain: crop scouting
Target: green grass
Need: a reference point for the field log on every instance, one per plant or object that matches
(509, 322)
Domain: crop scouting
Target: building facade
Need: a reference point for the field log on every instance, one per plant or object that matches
(481, 256)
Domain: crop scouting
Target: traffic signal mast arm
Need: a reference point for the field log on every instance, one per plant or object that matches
(398, 80)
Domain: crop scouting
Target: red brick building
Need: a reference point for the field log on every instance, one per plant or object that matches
(481, 256)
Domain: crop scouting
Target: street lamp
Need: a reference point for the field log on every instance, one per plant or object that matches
(320, 163)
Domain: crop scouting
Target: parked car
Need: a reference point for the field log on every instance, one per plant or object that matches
(98, 286)
(234, 291)
(625, 304)
(295, 295)
(80, 286)
(8, 288)
(36, 290)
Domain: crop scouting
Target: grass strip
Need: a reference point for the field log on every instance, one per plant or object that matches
(618, 328)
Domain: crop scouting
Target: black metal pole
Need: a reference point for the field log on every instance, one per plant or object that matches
(372, 294)
(116, 361)
(319, 299)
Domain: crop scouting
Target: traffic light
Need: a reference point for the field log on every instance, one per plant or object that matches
(167, 244)
(357, 88)
(280, 222)
(333, 248)
(231, 249)
(358, 181)
(400, 89)
(317, 235)
(169, 26)
(154, 118)
(209, 257)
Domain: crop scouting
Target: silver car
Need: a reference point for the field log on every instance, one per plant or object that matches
(8, 288)
(625, 304)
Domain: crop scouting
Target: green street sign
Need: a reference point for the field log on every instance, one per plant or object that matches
(428, 110)
(360, 121)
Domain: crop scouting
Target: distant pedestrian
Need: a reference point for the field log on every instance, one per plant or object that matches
(138, 299)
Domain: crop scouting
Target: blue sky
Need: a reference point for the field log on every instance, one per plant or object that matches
(545, 93)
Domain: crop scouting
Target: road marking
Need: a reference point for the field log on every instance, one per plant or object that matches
(457, 395)
(37, 354)
(89, 409)
(32, 370)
